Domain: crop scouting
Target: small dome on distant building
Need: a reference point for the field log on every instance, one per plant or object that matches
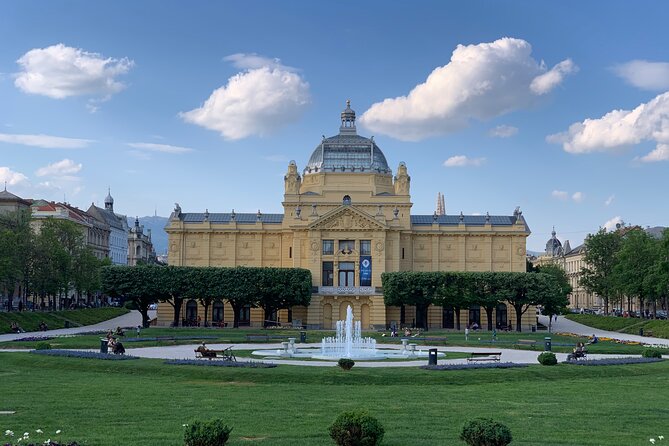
(553, 246)
(347, 151)
(109, 201)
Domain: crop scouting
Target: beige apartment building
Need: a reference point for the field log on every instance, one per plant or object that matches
(347, 218)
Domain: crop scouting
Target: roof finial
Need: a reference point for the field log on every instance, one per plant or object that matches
(5, 185)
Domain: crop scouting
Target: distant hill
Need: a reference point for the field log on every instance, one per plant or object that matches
(157, 226)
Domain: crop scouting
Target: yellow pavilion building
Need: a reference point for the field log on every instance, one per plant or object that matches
(348, 219)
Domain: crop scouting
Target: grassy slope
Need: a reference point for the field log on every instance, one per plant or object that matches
(30, 321)
(660, 328)
(145, 402)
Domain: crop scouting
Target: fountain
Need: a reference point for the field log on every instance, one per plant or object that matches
(347, 343)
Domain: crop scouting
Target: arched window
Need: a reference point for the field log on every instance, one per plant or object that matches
(191, 313)
(217, 312)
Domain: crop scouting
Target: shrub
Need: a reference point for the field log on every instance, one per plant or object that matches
(651, 353)
(547, 358)
(345, 363)
(356, 428)
(43, 346)
(485, 432)
(206, 433)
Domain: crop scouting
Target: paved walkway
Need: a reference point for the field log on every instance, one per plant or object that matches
(132, 319)
(565, 325)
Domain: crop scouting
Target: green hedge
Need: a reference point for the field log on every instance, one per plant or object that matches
(660, 328)
(30, 321)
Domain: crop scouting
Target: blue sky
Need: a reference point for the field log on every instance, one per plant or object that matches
(556, 107)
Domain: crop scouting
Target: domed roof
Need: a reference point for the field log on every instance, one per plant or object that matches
(553, 245)
(347, 151)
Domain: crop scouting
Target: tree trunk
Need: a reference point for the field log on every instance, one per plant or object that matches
(519, 316)
(178, 301)
(144, 311)
(457, 319)
(488, 312)
(421, 316)
(267, 316)
(235, 310)
(606, 305)
(206, 313)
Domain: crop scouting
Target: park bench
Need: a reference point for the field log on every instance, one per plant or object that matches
(265, 338)
(648, 333)
(528, 342)
(577, 355)
(428, 339)
(484, 356)
(204, 352)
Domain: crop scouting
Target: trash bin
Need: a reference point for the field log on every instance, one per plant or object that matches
(640, 331)
(432, 356)
(303, 337)
(534, 328)
(104, 345)
(547, 344)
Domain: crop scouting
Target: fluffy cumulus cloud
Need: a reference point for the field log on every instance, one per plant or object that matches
(479, 82)
(60, 71)
(578, 197)
(611, 224)
(546, 82)
(45, 141)
(503, 131)
(619, 129)
(644, 74)
(463, 161)
(259, 100)
(661, 153)
(60, 168)
(560, 195)
(163, 148)
(11, 178)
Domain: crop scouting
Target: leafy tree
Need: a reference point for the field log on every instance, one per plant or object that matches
(239, 286)
(411, 288)
(558, 300)
(523, 290)
(635, 258)
(16, 253)
(280, 288)
(452, 292)
(600, 259)
(485, 290)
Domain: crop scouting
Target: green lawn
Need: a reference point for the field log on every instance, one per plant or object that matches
(144, 402)
(30, 321)
(659, 328)
(561, 343)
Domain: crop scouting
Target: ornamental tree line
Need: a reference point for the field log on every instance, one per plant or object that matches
(627, 266)
(461, 290)
(269, 288)
(48, 263)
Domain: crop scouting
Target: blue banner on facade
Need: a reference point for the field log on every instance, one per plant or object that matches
(365, 270)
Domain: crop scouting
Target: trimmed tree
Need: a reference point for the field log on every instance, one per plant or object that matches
(411, 288)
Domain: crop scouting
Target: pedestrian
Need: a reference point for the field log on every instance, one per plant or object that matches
(139, 329)
(467, 333)
(494, 334)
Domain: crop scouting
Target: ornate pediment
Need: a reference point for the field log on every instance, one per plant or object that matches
(347, 218)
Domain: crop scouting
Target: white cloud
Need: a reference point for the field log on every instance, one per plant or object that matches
(463, 161)
(619, 129)
(164, 148)
(479, 82)
(661, 153)
(644, 74)
(61, 71)
(578, 197)
(611, 224)
(546, 82)
(11, 177)
(503, 131)
(256, 101)
(45, 141)
(63, 168)
(609, 200)
(139, 155)
(560, 194)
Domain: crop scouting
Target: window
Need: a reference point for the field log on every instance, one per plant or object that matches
(245, 315)
(366, 247)
(217, 312)
(346, 274)
(290, 252)
(346, 246)
(402, 253)
(328, 247)
(328, 274)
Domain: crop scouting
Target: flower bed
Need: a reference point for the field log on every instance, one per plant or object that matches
(81, 354)
(169, 338)
(217, 363)
(498, 365)
(33, 339)
(612, 361)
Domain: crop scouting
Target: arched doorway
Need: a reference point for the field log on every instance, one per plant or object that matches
(475, 315)
(501, 316)
(342, 310)
(191, 313)
(448, 317)
(327, 316)
(364, 316)
(218, 313)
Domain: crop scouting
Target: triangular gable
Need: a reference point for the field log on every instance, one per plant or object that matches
(347, 218)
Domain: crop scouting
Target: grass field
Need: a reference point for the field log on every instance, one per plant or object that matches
(144, 402)
(659, 328)
(30, 321)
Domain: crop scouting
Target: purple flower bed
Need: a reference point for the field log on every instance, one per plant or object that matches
(218, 363)
(33, 338)
(51, 443)
(169, 338)
(87, 355)
(613, 361)
(495, 365)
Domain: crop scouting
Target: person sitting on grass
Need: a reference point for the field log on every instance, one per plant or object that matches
(593, 340)
(119, 332)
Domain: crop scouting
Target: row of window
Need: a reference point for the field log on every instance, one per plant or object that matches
(347, 247)
(345, 275)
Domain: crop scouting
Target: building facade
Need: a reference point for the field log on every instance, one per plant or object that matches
(572, 261)
(348, 219)
(118, 229)
(10, 203)
(140, 247)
